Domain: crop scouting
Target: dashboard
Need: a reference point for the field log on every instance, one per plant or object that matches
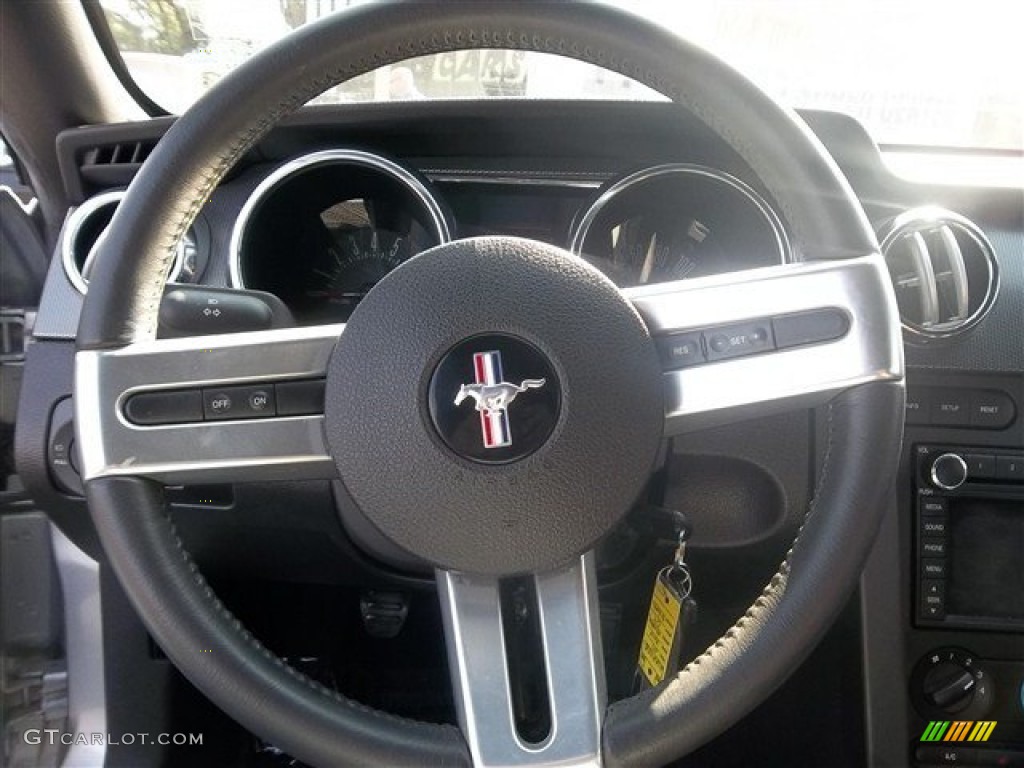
(333, 199)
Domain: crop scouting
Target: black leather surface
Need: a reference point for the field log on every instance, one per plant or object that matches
(529, 515)
(198, 150)
(175, 182)
(797, 606)
(224, 661)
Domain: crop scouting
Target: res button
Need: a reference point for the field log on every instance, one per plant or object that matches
(681, 350)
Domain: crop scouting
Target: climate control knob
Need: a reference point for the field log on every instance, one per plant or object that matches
(949, 471)
(949, 686)
(949, 682)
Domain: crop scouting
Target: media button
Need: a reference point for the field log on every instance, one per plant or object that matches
(933, 505)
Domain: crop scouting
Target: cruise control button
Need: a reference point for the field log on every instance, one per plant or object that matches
(814, 327)
(680, 350)
(239, 402)
(991, 409)
(739, 340)
(300, 398)
(174, 407)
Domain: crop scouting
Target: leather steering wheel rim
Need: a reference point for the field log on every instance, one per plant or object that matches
(863, 423)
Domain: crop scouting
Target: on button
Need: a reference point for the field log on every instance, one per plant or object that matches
(239, 403)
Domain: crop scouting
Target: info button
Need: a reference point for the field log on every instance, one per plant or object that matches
(239, 403)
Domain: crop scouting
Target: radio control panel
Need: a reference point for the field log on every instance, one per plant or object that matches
(969, 533)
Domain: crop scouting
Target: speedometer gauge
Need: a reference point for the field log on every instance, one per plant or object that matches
(673, 222)
(322, 230)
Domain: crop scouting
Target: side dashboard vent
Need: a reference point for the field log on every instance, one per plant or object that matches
(126, 153)
(113, 165)
(943, 269)
(86, 226)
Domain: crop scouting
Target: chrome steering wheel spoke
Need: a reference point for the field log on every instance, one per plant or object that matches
(195, 449)
(774, 373)
(570, 643)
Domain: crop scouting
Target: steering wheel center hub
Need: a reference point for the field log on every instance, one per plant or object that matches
(494, 405)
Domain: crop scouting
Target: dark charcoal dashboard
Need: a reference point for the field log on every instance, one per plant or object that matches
(334, 198)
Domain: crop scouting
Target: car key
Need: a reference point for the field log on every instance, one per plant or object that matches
(672, 610)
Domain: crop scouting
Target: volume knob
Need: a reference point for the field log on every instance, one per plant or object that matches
(949, 471)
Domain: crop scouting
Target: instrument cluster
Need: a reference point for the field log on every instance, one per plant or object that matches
(320, 231)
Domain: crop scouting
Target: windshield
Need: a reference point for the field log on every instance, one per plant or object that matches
(915, 72)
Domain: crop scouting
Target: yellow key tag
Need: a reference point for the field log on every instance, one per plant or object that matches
(662, 635)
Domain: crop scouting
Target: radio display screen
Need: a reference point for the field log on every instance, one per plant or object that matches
(986, 559)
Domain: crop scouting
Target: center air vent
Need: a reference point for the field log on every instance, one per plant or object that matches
(87, 224)
(944, 271)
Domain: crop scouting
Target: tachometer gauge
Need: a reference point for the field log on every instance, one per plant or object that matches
(322, 230)
(356, 261)
(673, 222)
(645, 250)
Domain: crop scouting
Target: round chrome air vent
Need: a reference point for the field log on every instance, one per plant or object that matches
(88, 223)
(944, 270)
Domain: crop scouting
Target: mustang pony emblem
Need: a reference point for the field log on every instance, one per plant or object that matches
(493, 396)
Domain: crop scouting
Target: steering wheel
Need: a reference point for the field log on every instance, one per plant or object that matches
(583, 442)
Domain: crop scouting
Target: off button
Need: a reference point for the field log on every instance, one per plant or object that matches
(239, 403)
